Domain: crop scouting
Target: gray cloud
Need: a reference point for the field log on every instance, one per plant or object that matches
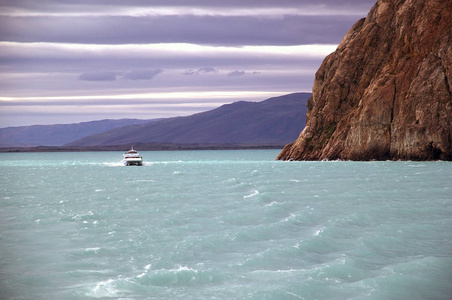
(89, 5)
(214, 30)
(200, 71)
(236, 73)
(142, 74)
(98, 76)
(54, 57)
(108, 47)
(113, 76)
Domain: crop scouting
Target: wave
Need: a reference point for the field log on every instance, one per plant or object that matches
(252, 194)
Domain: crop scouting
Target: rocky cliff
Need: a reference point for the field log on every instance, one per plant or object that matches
(386, 92)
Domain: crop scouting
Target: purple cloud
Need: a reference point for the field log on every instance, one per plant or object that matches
(142, 74)
(201, 71)
(236, 73)
(108, 45)
(213, 30)
(98, 76)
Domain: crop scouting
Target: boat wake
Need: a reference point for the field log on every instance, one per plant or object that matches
(121, 164)
(114, 164)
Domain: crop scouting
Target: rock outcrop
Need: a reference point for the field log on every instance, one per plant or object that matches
(386, 92)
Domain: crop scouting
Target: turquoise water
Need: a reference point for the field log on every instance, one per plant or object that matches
(223, 225)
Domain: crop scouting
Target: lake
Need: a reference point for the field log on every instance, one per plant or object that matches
(223, 225)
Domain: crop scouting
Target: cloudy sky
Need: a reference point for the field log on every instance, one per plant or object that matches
(66, 61)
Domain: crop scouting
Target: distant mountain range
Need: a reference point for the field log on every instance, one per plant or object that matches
(57, 135)
(275, 121)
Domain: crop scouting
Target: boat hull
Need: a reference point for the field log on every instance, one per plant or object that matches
(132, 158)
(133, 162)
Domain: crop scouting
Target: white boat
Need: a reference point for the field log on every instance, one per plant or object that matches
(132, 158)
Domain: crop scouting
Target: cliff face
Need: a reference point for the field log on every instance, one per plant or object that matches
(386, 92)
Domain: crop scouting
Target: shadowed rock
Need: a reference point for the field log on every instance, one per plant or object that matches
(386, 92)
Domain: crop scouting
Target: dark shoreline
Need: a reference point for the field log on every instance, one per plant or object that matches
(140, 147)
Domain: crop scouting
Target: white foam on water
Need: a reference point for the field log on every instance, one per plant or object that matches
(114, 164)
(318, 231)
(104, 289)
(289, 218)
(294, 295)
(146, 269)
(253, 193)
(93, 249)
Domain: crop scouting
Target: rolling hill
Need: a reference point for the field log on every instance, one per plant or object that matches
(57, 135)
(275, 121)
